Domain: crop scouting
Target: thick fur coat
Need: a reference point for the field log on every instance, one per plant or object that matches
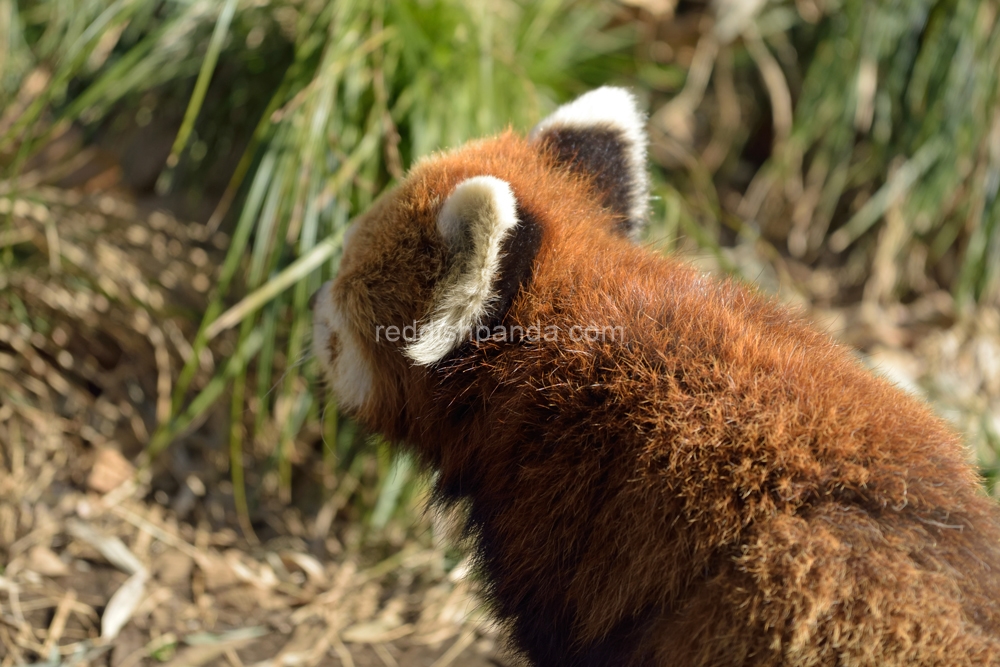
(661, 468)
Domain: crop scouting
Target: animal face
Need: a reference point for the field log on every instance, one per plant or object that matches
(444, 255)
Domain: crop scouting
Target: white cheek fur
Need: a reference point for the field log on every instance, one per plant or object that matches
(345, 367)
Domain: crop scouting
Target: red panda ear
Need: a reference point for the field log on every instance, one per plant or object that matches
(603, 134)
(491, 250)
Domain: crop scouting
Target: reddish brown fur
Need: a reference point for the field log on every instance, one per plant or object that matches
(726, 487)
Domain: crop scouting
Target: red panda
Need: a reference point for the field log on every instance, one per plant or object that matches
(660, 467)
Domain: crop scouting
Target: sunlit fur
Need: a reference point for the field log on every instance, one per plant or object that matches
(473, 222)
(725, 486)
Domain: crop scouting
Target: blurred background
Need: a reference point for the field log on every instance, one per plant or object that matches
(177, 488)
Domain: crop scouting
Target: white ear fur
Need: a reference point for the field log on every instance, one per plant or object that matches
(474, 222)
(614, 108)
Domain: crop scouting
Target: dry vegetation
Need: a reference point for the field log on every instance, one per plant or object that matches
(173, 493)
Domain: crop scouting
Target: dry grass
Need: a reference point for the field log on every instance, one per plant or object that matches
(110, 578)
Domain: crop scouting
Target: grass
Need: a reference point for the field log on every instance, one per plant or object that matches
(831, 125)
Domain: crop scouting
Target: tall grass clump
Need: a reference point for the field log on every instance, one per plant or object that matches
(857, 136)
(914, 133)
(330, 101)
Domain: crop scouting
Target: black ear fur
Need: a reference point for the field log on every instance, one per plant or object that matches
(603, 134)
(601, 153)
(519, 250)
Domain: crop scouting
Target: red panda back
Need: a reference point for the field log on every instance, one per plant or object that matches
(724, 446)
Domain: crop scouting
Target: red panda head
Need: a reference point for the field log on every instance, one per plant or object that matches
(447, 251)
